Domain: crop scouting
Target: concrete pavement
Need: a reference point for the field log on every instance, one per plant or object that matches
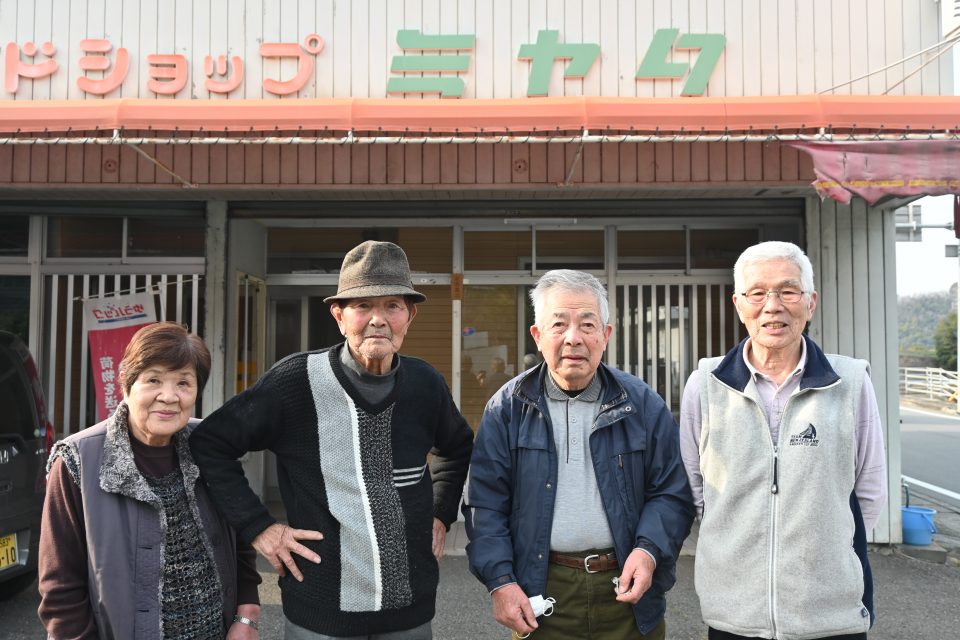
(915, 600)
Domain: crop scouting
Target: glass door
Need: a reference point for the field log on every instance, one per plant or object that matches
(300, 320)
(496, 343)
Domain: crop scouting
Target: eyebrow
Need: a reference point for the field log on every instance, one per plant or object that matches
(782, 283)
(580, 315)
(156, 371)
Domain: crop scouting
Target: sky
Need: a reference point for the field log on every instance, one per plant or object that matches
(921, 266)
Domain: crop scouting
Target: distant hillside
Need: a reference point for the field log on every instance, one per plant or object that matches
(919, 315)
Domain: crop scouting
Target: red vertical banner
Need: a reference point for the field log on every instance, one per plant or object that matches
(110, 324)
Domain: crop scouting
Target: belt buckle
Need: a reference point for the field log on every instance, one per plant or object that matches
(586, 562)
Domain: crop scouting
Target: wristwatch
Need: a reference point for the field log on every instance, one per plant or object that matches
(247, 621)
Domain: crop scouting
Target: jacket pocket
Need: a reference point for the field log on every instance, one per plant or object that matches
(628, 470)
(531, 471)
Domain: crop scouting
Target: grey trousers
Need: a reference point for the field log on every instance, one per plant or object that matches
(423, 632)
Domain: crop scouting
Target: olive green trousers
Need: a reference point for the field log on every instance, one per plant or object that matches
(587, 609)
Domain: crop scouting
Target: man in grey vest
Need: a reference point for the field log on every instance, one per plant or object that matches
(576, 499)
(784, 450)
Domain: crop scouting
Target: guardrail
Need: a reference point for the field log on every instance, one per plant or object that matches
(929, 382)
(906, 482)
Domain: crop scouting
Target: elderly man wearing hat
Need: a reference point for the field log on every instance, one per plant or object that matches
(351, 427)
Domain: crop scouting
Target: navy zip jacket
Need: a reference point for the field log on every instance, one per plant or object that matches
(509, 501)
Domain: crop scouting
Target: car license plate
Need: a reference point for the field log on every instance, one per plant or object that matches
(8, 550)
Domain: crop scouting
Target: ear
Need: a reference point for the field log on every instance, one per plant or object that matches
(813, 305)
(535, 332)
(413, 312)
(337, 312)
(736, 305)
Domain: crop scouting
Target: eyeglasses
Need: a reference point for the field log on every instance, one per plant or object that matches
(759, 296)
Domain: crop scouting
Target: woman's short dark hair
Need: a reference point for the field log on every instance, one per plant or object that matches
(168, 345)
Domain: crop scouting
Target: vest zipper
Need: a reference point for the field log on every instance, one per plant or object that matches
(773, 487)
(773, 546)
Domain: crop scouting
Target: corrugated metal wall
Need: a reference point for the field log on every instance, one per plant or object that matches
(852, 248)
(774, 47)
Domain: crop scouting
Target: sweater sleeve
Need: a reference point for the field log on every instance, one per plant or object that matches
(453, 444)
(248, 578)
(250, 421)
(871, 483)
(64, 597)
(691, 426)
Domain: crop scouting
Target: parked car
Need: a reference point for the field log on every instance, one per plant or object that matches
(26, 438)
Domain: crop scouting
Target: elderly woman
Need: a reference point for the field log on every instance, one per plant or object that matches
(130, 545)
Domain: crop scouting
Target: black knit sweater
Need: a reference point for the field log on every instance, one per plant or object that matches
(355, 472)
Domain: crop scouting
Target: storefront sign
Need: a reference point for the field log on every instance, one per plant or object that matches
(110, 323)
(168, 73)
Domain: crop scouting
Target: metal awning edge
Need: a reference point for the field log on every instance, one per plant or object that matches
(792, 116)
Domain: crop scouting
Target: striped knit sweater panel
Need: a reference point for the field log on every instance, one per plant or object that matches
(357, 463)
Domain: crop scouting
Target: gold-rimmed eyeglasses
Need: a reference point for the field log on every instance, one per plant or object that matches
(759, 296)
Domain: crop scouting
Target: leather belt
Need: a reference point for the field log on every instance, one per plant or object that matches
(593, 563)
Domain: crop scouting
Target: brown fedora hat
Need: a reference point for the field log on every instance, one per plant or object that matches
(373, 269)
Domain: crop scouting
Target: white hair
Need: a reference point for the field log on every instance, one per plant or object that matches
(569, 281)
(768, 252)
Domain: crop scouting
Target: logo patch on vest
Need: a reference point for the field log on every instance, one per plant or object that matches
(808, 438)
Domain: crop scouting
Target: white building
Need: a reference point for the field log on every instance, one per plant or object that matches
(132, 155)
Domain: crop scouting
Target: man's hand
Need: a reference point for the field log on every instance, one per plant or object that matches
(277, 542)
(511, 608)
(439, 538)
(637, 574)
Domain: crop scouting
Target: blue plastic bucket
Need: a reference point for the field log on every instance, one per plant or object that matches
(918, 525)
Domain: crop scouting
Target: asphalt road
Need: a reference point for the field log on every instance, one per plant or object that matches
(930, 445)
(914, 599)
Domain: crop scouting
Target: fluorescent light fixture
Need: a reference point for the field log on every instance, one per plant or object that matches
(536, 221)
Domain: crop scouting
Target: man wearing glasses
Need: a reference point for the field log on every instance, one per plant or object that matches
(784, 451)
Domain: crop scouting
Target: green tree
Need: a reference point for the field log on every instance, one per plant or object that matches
(918, 315)
(945, 340)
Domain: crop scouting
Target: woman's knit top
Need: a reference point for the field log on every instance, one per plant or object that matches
(190, 605)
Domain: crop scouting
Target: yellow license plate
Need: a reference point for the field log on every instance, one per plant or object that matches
(8, 550)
